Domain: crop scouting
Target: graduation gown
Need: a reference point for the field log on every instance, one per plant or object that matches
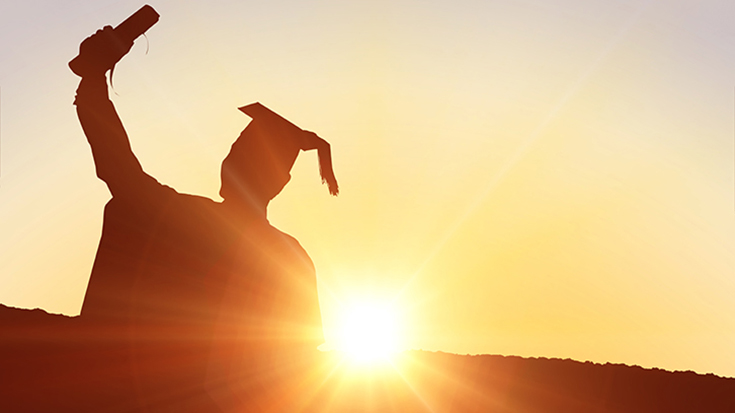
(178, 273)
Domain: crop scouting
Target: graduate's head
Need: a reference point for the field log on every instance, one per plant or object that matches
(259, 163)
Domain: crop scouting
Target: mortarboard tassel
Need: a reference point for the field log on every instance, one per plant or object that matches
(325, 167)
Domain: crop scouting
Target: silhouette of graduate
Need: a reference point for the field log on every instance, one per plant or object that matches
(209, 296)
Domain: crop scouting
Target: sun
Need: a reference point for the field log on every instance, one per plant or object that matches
(368, 332)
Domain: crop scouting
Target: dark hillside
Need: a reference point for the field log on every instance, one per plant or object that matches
(60, 364)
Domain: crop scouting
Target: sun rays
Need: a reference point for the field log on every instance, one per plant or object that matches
(368, 331)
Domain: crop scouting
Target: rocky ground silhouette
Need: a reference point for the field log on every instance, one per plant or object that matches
(54, 363)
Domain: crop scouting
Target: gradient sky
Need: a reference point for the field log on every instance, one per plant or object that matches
(533, 178)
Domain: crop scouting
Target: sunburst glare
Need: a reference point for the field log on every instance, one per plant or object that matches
(368, 332)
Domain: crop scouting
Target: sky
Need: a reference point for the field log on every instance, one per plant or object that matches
(533, 178)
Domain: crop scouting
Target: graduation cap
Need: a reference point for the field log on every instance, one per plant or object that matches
(289, 139)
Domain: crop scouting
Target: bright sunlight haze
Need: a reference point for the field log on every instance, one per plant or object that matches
(529, 178)
(368, 332)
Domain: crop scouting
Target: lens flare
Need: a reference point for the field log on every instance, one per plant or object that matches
(368, 332)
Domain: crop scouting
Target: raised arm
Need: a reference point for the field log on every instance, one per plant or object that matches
(113, 157)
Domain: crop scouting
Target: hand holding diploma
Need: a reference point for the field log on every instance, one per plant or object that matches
(101, 51)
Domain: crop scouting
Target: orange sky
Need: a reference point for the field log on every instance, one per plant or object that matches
(519, 177)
